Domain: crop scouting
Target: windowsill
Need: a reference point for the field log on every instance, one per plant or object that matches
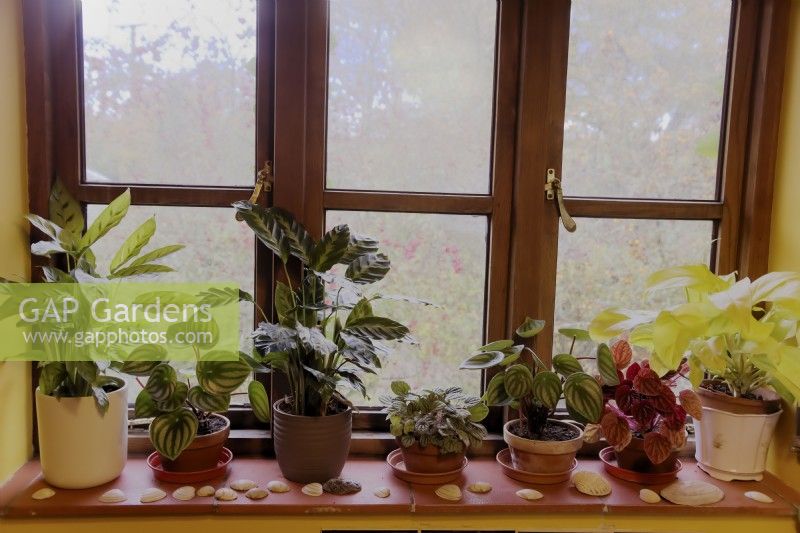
(15, 500)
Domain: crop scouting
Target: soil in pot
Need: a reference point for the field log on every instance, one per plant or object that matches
(551, 432)
(717, 395)
(429, 459)
(553, 453)
(204, 451)
(634, 458)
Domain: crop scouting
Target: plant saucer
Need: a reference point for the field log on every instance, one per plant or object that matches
(187, 478)
(609, 459)
(395, 460)
(504, 458)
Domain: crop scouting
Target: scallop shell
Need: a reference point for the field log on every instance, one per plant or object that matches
(692, 493)
(758, 496)
(449, 492)
(530, 494)
(206, 490)
(225, 494)
(113, 496)
(479, 487)
(649, 496)
(43, 494)
(312, 489)
(243, 485)
(152, 495)
(278, 486)
(186, 493)
(382, 492)
(591, 483)
(257, 493)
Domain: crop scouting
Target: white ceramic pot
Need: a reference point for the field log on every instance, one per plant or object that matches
(733, 446)
(79, 448)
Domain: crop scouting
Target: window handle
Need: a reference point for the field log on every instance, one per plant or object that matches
(552, 188)
(264, 180)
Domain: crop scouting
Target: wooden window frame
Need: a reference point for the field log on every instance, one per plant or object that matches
(530, 91)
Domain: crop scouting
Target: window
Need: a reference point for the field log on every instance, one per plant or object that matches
(432, 126)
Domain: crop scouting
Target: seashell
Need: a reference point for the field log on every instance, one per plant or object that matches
(278, 487)
(43, 494)
(479, 487)
(692, 493)
(449, 492)
(530, 494)
(152, 495)
(649, 496)
(206, 490)
(243, 485)
(758, 496)
(382, 492)
(312, 489)
(113, 496)
(341, 486)
(186, 493)
(257, 493)
(225, 494)
(591, 483)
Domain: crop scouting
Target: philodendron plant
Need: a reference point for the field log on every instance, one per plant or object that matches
(743, 332)
(525, 383)
(326, 333)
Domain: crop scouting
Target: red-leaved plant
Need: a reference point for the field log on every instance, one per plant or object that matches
(644, 406)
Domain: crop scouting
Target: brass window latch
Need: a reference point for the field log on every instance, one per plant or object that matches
(264, 181)
(552, 188)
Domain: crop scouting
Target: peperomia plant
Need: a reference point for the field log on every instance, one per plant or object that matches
(525, 383)
(445, 418)
(326, 333)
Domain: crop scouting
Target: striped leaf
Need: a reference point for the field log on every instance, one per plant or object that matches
(566, 364)
(65, 211)
(109, 218)
(359, 245)
(483, 360)
(530, 328)
(212, 403)
(173, 432)
(143, 359)
(176, 399)
(331, 248)
(222, 377)
(206, 334)
(259, 401)
(145, 406)
(368, 268)
(300, 241)
(285, 303)
(377, 327)
(496, 391)
(161, 383)
(266, 228)
(498, 346)
(362, 309)
(518, 381)
(134, 244)
(584, 397)
(547, 388)
(606, 365)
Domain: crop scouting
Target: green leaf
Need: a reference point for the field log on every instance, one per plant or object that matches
(376, 327)
(259, 401)
(696, 277)
(45, 226)
(496, 392)
(139, 270)
(300, 242)
(547, 389)
(176, 399)
(173, 432)
(110, 217)
(222, 377)
(51, 376)
(145, 406)
(134, 244)
(483, 360)
(400, 388)
(266, 227)
(55, 275)
(359, 245)
(566, 364)
(158, 253)
(606, 365)
(65, 211)
(576, 333)
(496, 346)
(584, 397)
(210, 403)
(284, 303)
(162, 382)
(46, 248)
(362, 309)
(478, 412)
(331, 248)
(530, 328)
(143, 359)
(518, 381)
(368, 268)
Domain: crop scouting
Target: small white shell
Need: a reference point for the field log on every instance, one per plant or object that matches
(186, 493)
(479, 487)
(449, 492)
(243, 485)
(225, 494)
(382, 492)
(530, 494)
(692, 493)
(43, 494)
(257, 493)
(591, 483)
(152, 495)
(113, 496)
(758, 496)
(312, 489)
(649, 496)
(206, 490)
(278, 486)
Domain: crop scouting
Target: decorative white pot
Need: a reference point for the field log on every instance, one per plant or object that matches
(733, 446)
(78, 447)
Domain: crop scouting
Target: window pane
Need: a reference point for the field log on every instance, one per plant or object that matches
(410, 94)
(169, 91)
(438, 258)
(217, 249)
(644, 97)
(607, 261)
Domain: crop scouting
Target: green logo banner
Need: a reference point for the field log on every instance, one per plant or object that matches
(119, 321)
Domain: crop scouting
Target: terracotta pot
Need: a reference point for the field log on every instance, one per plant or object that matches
(202, 454)
(740, 406)
(311, 448)
(634, 458)
(429, 460)
(540, 456)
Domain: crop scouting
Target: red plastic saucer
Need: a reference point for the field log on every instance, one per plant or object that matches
(609, 459)
(154, 462)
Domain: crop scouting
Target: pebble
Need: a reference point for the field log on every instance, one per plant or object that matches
(43, 494)
(312, 489)
(113, 496)
(758, 496)
(649, 496)
(530, 494)
(206, 490)
(186, 493)
(341, 486)
(225, 494)
(152, 495)
(257, 493)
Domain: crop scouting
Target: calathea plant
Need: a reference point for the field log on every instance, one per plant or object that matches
(447, 419)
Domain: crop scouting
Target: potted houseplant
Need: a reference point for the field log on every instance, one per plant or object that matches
(82, 412)
(435, 427)
(539, 443)
(325, 336)
(740, 342)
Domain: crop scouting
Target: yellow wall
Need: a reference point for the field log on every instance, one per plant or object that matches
(15, 406)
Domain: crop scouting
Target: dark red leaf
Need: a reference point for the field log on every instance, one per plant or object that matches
(616, 430)
(657, 447)
(622, 353)
(644, 414)
(632, 371)
(647, 382)
(623, 396)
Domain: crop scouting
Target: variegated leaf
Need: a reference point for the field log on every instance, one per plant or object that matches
(173, 432)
